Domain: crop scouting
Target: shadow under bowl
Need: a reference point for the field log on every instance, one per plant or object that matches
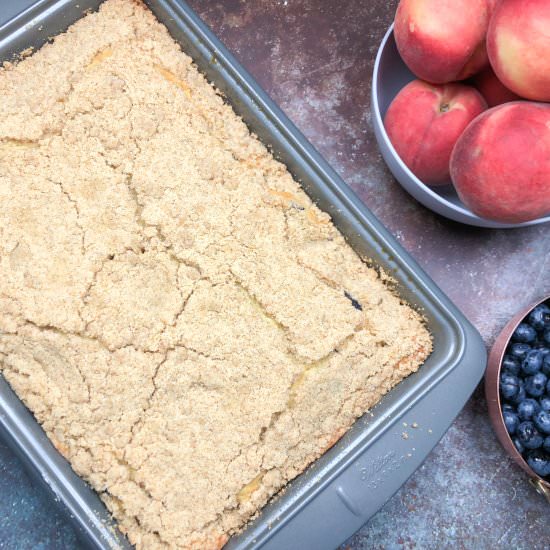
(389, 77)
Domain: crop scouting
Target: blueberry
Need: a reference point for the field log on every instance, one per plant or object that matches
(532, 362)
(529, 436)
(546, 365)
(538, 318)
(524, 333)
(519, 350)
(517, 443)
(509, 385)
(535, 385)
(542, 421)
(539, 462)
(511, 421)
(540, 345)
(508, 407)
(353, 301)
(527, 408)
(521, 395)
(510, 364)
(544, 403)
(546, 336)
(546, 444)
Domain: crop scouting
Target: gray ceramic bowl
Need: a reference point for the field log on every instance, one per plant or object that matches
(390, 75)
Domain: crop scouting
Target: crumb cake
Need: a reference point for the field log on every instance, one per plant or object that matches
(190, 330)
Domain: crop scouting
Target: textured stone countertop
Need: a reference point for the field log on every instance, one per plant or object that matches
(315, 58)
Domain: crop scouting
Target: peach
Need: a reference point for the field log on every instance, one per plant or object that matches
(518, 43)
(424, 122)
(500, 166)
(492, 89)
(443, 40)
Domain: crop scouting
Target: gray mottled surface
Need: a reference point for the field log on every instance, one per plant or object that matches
(29, 519)
(315, 58)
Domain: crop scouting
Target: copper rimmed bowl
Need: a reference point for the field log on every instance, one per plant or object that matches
(492, 377)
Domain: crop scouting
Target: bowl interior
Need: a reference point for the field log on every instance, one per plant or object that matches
(492, 377)
(390, 76)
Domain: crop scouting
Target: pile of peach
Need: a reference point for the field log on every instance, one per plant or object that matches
(497, 158)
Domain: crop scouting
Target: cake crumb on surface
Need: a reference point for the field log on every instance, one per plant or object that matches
(174, 309)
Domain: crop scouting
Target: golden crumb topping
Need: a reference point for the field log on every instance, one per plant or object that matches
(189, 329)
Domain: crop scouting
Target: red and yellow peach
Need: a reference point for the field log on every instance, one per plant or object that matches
(443, 40)
(424, 121)
(492, 89)
(500, 166)
(518, 43)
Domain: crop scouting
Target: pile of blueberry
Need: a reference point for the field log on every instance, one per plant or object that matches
(525, 389)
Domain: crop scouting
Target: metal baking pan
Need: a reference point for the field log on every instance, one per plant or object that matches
(348, 484)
